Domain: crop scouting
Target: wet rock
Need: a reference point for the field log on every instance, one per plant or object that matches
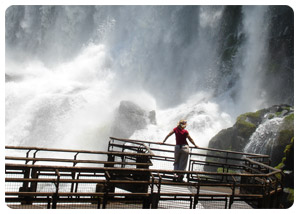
(130, 117)
(237, 137)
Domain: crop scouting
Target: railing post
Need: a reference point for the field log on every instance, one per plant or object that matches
(233, 192)
(225, 165)
(266, 198)
(147, 200)
(25, 186)
(26, 173)
(27, 155)
(55, 195)
(156, 196)
(49, 202)
(276, 196)
(110, 158)
(155, 200)
(107, 189)
(54, 200)
(188, 176)
(100, 187)
(109, 144)
(196, 199)
(73, 174)
(34, 174)
(189, 164)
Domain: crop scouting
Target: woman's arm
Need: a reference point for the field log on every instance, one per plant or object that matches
(191, 140)
(172, 132)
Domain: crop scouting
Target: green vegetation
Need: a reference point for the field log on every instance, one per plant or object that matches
(289, 118)
(245, 127)
(287, 164)
(285, 136)
(288, 155)
(220, 170)
(289, 147)
(251, 115)
(290, 191)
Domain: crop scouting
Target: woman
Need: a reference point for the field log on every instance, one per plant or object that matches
(181, 148)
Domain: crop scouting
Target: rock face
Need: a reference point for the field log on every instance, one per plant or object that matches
(130, 117)
(287, 167)
(268, 131)
(254, 132)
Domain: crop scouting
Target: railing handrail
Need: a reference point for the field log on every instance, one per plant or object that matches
(150, 153)
(138, 170)
(75, 151)
(73, 161)
(274, 170)
(130, 141)
(202, 148)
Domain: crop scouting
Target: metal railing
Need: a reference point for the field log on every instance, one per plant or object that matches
(129, 175)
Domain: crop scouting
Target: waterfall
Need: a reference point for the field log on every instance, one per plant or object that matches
(69, 67)
(264, 137)
(253, 57)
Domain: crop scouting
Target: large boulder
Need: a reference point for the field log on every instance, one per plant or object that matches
(235, 138)
(251, 130)
(130, 117)
(268, 131)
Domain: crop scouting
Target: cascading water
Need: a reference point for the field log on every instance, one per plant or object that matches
(68, 68)
(263, 139)
(57, 106)
(204, 119)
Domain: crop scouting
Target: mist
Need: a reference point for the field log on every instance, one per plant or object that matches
(69, 67)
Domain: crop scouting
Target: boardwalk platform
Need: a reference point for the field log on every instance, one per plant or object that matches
(163, 204)
(138, 174)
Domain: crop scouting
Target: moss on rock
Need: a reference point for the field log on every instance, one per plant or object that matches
(247, 123)
(287, 166)
(245, 128)
(280, 146)
(289, 121)
(285, 136)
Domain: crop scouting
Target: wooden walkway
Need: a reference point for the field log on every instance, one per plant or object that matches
(163, 204)
(136, 174)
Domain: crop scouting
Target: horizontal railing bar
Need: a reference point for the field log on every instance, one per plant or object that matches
(75, 161)
(132, 141)
(75, 194)
(159, 157)
(275, 171)
(48, 180)
(127, 194)
(202, 148)
(216, 163)
(107, 162)
(131, 170)
(199, 154)
(77, 151)
(130, 147)
(135, 147)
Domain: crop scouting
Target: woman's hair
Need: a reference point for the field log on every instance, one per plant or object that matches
(182, 123)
